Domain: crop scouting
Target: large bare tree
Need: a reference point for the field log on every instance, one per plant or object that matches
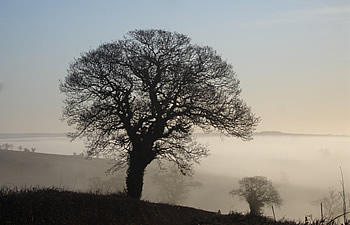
(141, 97)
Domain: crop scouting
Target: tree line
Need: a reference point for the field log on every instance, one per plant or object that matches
(7, 146)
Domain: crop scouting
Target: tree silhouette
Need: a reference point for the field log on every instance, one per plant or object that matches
(141, 97)
(332, 204)
(257, 191)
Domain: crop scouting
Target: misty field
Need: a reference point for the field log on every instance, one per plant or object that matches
(303, 169)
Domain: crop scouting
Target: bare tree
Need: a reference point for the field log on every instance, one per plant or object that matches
(257, 191)
(332, 204)
(174, 186)
(141, 97)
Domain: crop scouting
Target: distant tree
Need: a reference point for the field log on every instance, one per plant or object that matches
(332, 204)
(5, 146)
(26, 149)
(257, 191)
(174, 186)
(142, 96)
(20, 147)
(33, 149)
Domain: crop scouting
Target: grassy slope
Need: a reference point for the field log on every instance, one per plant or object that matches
(52, 206)
(31, 169)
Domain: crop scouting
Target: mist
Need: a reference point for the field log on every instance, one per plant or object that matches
(303, 168)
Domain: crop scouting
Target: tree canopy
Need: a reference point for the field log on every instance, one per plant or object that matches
(140, 99)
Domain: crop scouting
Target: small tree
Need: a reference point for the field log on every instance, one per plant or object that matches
(332, 204)
(174, 186)
(140, 98)
(257, 191)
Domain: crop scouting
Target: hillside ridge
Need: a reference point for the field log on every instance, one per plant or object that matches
(57, 206)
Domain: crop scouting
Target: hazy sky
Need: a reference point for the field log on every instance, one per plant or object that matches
(291, 56)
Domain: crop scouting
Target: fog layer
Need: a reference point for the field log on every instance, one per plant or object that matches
(302, 168)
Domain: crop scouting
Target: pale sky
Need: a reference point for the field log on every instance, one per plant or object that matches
(291, 56)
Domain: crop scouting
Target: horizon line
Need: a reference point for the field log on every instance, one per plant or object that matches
(258, 133)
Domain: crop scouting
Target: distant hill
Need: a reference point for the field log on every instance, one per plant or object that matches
(279, 133)
(30, 135)
(18, 168)
(198, 134)
(274, 133)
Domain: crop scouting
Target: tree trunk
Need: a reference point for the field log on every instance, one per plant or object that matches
(255, 207)
(138, 161)
(134, 180)
(254, 210)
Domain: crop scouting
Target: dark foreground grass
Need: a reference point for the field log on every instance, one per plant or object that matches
(54, 206)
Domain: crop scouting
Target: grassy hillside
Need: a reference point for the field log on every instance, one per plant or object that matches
(54, 206)
(32, 169)
(26, 169)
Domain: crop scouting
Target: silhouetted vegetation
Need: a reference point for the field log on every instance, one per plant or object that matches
(257, 191)
(334, 206)
(105, 186)
(140, 99)
(18, 168)
(56, 206)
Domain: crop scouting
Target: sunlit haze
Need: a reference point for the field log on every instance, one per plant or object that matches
(292, 57)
